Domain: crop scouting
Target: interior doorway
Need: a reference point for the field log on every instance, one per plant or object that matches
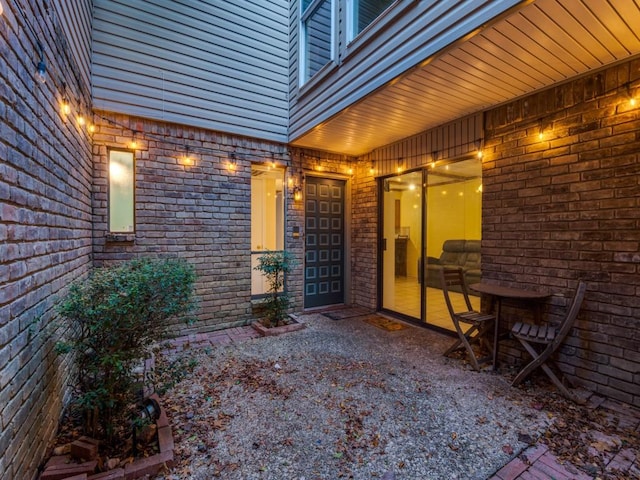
(423, 212)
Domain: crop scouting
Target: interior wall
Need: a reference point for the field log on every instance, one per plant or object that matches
(455, 211)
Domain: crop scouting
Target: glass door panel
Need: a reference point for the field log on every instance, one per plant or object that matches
(402, 243)
(430, 217)
(453, 220)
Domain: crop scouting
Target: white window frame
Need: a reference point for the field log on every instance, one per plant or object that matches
(351, 6)
(303, 76)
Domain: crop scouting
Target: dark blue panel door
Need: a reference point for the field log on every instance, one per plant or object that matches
(324, 249)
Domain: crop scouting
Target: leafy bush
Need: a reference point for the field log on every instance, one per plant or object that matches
(274, 266)
(116, 315)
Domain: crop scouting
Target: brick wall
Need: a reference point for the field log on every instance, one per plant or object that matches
(567, 206)
(364, 221)
(45, 226)
(199, 212)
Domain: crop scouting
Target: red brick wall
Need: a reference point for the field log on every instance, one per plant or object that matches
(45, 226)
(201, 212)
(568, 207)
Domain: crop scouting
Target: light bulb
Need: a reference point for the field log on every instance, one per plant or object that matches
(633, 102)
(80, 120)
(91, 128)
(66, 108)
(41, 72)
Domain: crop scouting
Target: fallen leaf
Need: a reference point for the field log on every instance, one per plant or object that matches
(507, 449)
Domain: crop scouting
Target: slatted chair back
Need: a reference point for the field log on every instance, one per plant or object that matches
(479, 322)
(550, 336)
(452, 277)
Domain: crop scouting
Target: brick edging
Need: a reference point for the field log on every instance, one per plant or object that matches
(58, 468)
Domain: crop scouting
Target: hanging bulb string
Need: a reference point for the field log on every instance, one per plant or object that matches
(268, 157)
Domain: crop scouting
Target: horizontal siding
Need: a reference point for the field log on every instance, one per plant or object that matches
(75, 20)
(217, 65)
(456, 139)
(411, 33)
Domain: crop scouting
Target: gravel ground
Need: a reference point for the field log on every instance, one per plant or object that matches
(342, 399)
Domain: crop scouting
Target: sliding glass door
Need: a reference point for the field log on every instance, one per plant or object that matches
(430, 217)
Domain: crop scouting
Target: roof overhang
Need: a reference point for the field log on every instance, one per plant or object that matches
(544, 43)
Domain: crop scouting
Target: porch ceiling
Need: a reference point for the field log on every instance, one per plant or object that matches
(543, 43)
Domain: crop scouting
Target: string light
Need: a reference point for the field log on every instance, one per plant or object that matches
(41, 70)
(187, 160)
(232, 165)
(65, 107)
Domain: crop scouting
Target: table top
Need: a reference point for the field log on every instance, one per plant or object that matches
(507, 292)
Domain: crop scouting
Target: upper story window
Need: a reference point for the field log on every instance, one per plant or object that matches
(361, 13)
(317, 28)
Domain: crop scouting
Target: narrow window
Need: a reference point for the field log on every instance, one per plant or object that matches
(362, 13)
(316, 32)
(121, 191)
(267, 218)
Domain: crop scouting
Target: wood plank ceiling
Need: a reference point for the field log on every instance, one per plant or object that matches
(546, 42)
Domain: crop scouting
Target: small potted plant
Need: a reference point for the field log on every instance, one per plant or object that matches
(275, 266)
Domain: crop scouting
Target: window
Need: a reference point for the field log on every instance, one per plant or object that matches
(121, 191)
(316, 36)
(267, 218)
(363, 12)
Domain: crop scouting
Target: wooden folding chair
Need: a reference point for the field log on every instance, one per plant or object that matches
(479, 322)
(551, 337)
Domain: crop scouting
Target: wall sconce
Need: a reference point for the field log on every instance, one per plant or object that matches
(400, 165)
(372, 168)
(297, 193)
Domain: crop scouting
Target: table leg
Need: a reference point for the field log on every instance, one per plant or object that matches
(496, 333)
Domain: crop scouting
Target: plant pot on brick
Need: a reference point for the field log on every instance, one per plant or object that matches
(274, 308)
(115, 317)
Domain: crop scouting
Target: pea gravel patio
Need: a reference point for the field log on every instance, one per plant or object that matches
(342, 399)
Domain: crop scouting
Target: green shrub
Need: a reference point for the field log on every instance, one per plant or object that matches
(274, 266)
(115, 317)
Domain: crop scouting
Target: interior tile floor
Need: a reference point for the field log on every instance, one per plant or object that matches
(405, 299)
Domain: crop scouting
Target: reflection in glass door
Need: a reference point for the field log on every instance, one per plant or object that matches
(427, 222)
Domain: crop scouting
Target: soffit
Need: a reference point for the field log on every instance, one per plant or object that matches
(546, 42)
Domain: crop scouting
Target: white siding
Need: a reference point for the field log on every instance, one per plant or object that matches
(221, 65)
(406, 35)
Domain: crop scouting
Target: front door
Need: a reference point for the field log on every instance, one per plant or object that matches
(324, 246)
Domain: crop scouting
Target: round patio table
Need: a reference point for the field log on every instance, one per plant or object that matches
(499, 293)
